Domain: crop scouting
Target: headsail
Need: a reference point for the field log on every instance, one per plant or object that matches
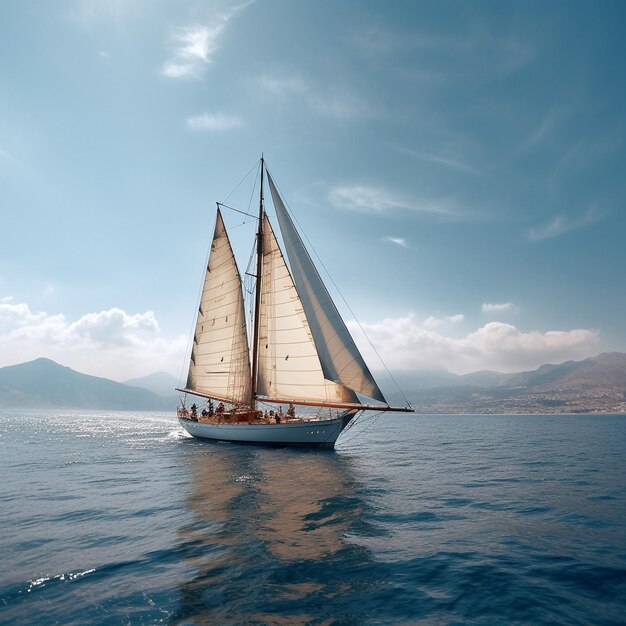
(340, 358)
(220, 360)
(289, 366)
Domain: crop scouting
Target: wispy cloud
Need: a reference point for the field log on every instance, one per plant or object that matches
(561, 224)
(86, 13)
(213, 121)
(369, 199)
(284, 84)
(497, 307)
(546, 127)
(398, 241)
(336, 101)
(454, 57)
(193, 47)
(9, 158)
(447, 160)
(405, 345)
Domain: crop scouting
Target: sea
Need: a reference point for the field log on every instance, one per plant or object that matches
(121, 518)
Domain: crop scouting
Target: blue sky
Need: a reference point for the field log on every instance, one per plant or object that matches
(459, 167)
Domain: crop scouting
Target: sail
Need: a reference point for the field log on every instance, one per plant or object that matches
(289, 367)
(220, 361)
(340, 358)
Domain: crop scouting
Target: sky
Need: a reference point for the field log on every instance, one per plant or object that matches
(459, 168)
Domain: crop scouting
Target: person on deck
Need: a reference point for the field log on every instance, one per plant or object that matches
(291, 411)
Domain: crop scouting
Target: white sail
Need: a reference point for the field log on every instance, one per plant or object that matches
(220, 361)
(340, 358)
(288, 364)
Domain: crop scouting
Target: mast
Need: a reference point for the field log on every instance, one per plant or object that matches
(257, 297)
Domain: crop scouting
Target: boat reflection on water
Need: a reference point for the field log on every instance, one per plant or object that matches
(266, 542)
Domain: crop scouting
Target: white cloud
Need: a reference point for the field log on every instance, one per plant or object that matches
(213, 121)
(398, 241)
(407, 345)
(193, 47)
(104, 55)
(436, 322)
(126, 345)
(497, 307)
(561, 224)
(369, 199)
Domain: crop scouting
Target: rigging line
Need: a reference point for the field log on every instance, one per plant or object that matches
(377, 416)
(232, 208)
(256, 164)
(339, 291)
(252, 192)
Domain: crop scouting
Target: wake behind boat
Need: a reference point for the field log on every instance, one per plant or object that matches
(302, 352)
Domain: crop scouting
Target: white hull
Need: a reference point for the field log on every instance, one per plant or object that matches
(310, 434)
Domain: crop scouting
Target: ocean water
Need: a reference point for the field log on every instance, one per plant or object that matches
(120, 518)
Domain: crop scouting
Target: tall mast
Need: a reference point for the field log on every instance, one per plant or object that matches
(257, 298)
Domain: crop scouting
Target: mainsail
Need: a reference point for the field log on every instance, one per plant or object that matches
(220, 360)
(340, 359)
(289, 367)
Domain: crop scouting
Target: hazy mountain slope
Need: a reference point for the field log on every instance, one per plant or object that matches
(44, 383)
(161, 383)
(595, 384)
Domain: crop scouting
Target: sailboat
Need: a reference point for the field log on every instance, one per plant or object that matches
(302, 354)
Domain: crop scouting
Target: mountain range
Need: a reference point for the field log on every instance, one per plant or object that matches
(597, 384)
(44, 383)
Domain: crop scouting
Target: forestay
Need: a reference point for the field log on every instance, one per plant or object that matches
(340, 359)
(220, 361)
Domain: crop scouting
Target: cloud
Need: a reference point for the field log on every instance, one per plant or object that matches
(561, 224)
(546, 128)
(9, 158)
(447, 160)
(328, 100)
(283, 85)
(193, 47)
(476, 53)
(86, 13)
(407, 345)
(369, 199)
(126, 345)
(213, 121)
(497, 308)
(399, 241)
(437, 322)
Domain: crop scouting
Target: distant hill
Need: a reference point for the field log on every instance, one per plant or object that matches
(161, 383)
(44, 383)
(597, 384)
